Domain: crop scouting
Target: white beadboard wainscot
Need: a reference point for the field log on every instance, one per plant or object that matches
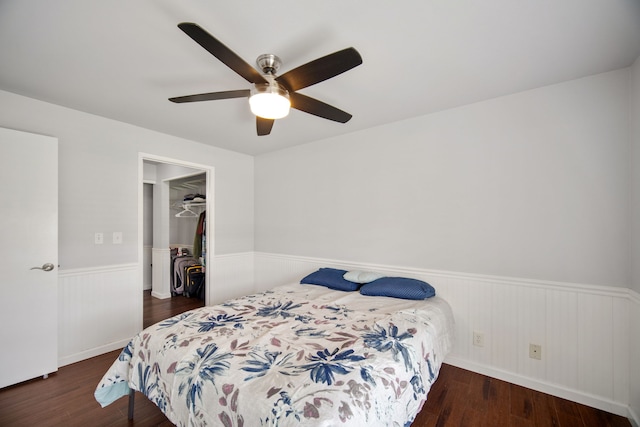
(161, 273)
(584, 331)
(231, 276)
(99, 310)
(147, 262)
(634, 377)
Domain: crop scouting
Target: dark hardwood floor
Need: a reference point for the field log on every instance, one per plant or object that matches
(464, 398)
(458, 398)
(156, 310)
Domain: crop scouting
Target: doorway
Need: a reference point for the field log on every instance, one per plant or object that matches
(163, 182)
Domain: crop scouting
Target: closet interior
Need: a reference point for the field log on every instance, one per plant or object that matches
(188, 233)
(174, 229)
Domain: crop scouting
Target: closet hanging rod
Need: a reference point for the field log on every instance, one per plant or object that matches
(183, 205)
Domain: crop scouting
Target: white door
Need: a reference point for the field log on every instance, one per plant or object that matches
(29, 236)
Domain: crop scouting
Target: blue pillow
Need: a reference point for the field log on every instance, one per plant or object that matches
(398, 287)
(331, 278)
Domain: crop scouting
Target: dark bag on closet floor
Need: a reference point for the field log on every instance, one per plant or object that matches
(194, 282)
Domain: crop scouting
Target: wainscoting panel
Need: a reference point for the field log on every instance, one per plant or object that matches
(595, 342)
(584, 330)
(531, 330)
(589, 334)
(561, 349)
(147, 262)
(231, 276)
(479, 320)
(634, 357)
(503, 333)
(161, 273)
(99, 310)
(621, 344)
(452, 289)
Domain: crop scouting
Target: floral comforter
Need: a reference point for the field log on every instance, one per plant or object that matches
(293, 355)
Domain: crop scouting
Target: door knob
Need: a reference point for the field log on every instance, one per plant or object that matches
(46, 267)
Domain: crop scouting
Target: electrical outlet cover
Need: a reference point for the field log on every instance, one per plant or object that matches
(478, 339)
(535, 351)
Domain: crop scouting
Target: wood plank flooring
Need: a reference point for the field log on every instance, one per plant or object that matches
(156, 309)
(458, 398)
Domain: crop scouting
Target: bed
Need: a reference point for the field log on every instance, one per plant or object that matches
(297, 354)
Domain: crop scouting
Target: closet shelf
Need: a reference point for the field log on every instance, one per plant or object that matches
(197, 204)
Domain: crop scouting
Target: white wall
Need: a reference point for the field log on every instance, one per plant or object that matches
(634, 128)
(98, 180)
(634, 122)
(531, 189)
(532, 185)
(100, 298)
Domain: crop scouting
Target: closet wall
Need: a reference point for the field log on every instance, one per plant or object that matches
(147, 234)
(182, 228)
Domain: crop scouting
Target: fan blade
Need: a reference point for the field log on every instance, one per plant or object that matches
(222, 52)
(263, 126)
(318, 108)
(211, 96)
(321, 69)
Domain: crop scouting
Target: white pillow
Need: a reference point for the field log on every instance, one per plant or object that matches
(357, 276)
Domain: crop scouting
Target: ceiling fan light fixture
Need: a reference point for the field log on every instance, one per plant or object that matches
(271, 97)
(269, 101)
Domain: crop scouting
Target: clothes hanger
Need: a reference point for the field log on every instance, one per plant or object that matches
(187, 213)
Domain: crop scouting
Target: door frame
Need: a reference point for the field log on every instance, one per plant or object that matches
(209, 219)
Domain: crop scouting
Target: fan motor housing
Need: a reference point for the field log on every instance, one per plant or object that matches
(268, 63)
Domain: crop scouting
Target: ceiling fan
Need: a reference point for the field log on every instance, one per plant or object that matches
(271, 96)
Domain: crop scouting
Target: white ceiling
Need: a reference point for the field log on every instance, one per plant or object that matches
(122, 59)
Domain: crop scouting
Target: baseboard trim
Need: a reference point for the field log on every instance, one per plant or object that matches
(633, 418)
(160, 295)
(96, 351)
(541, 386)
